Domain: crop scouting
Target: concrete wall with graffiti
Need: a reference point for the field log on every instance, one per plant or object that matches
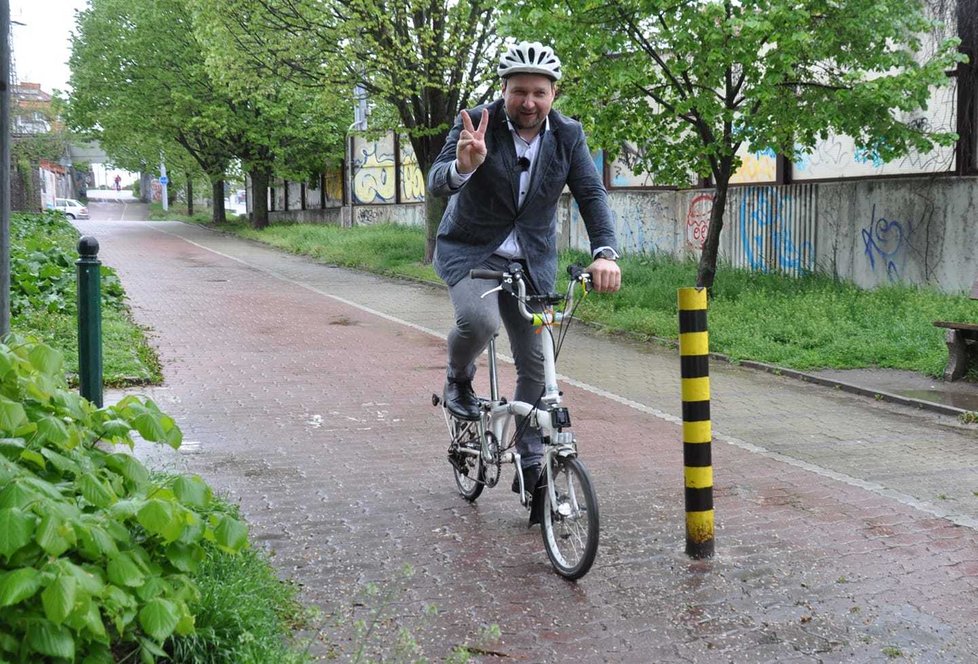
(919, 231)
(386, 185)
(385, 171)
(872, 232)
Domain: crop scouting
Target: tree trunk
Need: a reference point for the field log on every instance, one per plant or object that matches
(434, 208)
(426, 150)
(218, 215)
(145, 187)
(190, 195)
(259, 198)
(707, 270)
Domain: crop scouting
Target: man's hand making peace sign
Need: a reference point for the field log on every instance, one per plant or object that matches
(470, 151)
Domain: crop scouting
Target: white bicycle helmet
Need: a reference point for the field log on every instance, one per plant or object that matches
(529, 58)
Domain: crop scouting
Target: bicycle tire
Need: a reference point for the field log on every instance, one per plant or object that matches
(471, 482)
(571, 527)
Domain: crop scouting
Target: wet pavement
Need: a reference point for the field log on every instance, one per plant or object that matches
(846, 524)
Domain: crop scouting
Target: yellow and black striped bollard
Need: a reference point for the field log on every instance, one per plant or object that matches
(694, 352)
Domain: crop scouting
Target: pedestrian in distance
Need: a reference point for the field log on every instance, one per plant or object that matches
(504, 166)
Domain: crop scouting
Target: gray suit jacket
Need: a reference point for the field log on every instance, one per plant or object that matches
(482, 212)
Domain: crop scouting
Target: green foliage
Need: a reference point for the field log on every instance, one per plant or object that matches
(44, 304)
(96, 555)
(42, 271)
(427, 60)
(32, 148)
(691, 83)
(140, 86)
(242, 614)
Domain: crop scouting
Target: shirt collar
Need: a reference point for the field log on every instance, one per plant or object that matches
(512, 129)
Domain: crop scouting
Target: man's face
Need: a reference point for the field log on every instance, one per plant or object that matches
(528, 98)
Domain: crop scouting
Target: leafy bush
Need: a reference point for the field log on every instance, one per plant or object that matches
(96, 555)
(42, 267)
(44, 301)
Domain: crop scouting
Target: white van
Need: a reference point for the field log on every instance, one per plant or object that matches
(71, 208)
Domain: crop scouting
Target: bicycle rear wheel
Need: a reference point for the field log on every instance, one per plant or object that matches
(570, 519)
(468, 468)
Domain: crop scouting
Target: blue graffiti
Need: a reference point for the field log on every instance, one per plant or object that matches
(864, 155)
(884, 239)
(632, 235)
(762, 217)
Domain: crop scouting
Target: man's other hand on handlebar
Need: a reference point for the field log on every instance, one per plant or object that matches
(605, 275)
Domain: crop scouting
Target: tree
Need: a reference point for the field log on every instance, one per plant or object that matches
(302, 129)
(140, 86)
(428, 59)
(694, 81)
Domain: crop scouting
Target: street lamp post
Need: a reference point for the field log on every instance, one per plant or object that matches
(5, 83)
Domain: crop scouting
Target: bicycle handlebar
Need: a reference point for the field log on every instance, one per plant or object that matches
(487, 274)
(576, 272)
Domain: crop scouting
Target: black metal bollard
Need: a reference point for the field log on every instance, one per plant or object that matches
(89, 320)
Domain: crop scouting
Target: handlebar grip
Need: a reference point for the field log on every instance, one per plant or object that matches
(575, 272)
(487, 274)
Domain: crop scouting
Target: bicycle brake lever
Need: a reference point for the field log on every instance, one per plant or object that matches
(492, 290)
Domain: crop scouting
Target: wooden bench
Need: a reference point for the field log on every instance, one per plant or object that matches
(961, 339)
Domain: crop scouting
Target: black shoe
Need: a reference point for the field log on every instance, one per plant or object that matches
(531, 474)
(460, 399)
(535, 482)
(536, 506)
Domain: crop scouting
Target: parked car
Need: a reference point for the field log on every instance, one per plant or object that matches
(71, 208)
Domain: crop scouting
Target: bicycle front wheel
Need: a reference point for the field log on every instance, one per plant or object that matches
(570, 519)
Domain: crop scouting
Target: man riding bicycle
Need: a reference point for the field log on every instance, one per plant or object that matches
(504, 178)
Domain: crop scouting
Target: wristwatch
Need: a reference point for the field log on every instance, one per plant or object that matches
(607, 254)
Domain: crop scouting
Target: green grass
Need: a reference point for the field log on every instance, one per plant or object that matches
(384, 248)
(807, 323)
(127, 358)
(245, 615)
(179, 212)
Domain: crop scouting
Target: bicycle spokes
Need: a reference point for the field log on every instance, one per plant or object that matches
(570, 519)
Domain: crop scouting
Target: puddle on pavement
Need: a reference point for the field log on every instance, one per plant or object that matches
(961, 394)
(948, 398)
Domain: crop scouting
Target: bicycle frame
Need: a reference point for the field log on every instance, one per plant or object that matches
(568, 513)
(501, 414)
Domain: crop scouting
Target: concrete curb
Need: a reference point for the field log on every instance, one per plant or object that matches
(856, 389)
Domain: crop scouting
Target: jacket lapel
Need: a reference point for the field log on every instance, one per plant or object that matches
(507, 152)
(545, 155)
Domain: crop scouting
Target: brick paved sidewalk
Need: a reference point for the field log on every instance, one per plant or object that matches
(305, 390)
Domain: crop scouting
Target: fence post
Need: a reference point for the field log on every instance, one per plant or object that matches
(89, 320)
(694, 357)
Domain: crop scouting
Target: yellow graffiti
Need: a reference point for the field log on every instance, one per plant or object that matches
(412, 183)
(334, 185)
(754, 168)
(373, 177)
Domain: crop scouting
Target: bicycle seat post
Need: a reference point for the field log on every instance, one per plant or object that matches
(493, 378)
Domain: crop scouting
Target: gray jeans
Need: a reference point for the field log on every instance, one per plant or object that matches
(477, 319)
